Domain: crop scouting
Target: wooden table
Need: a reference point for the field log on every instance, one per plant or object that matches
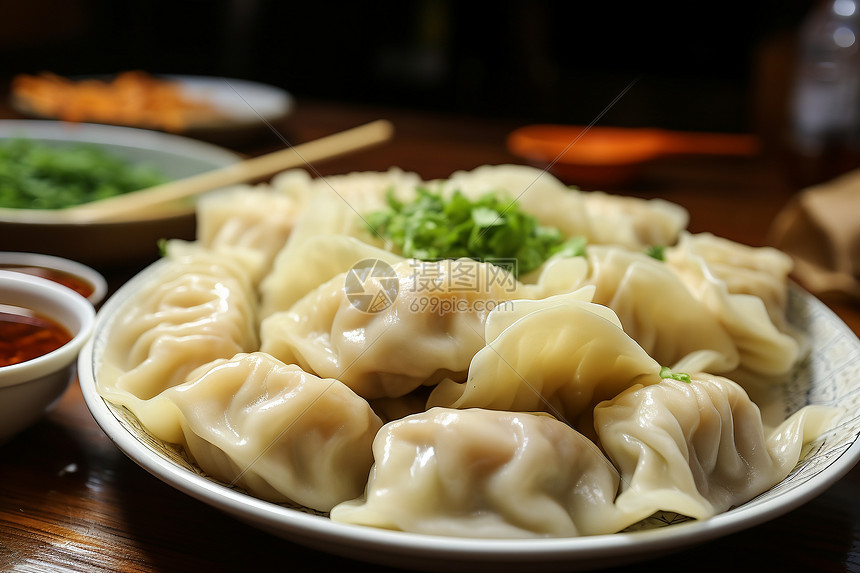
(71, 501)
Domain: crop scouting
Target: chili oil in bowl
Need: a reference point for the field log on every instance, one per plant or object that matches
(43, 326)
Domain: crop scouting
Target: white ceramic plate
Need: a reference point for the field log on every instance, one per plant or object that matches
(830, 376)
(241, 107)
(239, 102)
(110, 243)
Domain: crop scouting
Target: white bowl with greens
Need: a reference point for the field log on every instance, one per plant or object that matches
(81, 155)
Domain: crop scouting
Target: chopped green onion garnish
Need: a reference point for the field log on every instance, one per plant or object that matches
(490, 228)
(667, 372)
(656, 251)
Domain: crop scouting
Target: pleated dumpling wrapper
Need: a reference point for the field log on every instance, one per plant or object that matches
(487, 474)
(270, 428)
(699, 448)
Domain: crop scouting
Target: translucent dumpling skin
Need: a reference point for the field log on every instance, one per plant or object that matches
(486, 473)
(698, 448)
(270, 428)
(199, 306)
(432, 328)
(559, 354)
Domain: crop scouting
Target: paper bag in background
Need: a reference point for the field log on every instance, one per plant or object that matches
(820, 229)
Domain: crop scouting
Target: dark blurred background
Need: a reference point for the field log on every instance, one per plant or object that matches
(696, 66)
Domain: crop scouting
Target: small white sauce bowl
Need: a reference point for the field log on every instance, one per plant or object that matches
(28, 389)
(51, 262)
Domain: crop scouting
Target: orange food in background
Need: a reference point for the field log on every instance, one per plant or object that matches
(132, 98)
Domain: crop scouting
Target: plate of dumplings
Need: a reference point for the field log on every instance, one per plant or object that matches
(655, 389)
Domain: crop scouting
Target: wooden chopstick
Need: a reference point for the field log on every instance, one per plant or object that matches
(126, 206)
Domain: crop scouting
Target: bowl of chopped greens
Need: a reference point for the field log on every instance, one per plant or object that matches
(46, 166)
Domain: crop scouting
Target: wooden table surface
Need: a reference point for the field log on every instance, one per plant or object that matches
(71, 501)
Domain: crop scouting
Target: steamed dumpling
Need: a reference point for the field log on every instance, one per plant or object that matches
(764, 348)
(429, 328)
(686, 317)
(319, 258)
(698, 448)
(482, 473)
(747, 289)
(195, 308)
(561, 354)
(657, 310)
(334, 210)
(758, 271)
(537, 193)
(633, 222)
(252, 221)
(601, 218)
(270, 428)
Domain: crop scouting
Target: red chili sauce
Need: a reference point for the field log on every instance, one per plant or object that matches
(75, 283)
(25, 335)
